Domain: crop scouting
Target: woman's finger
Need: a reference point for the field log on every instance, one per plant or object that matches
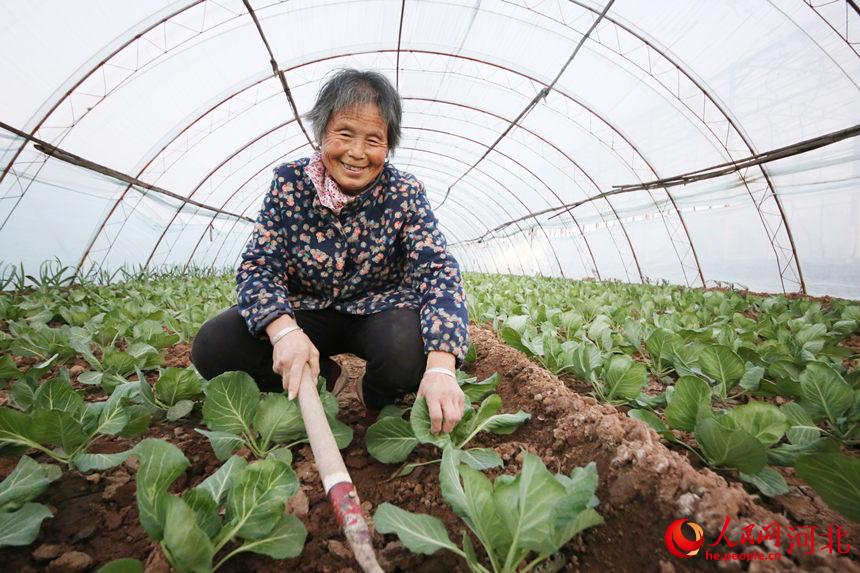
(295, 379)
(435, 409)
(314, 363)
(451, 414)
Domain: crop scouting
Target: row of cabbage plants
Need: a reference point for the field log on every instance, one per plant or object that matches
(755, 381)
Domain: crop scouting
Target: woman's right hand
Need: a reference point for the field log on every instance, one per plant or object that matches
(291, 354)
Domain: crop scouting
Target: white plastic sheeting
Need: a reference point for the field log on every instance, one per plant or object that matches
(181, 95)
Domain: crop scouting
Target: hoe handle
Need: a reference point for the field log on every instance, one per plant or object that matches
(336, 481)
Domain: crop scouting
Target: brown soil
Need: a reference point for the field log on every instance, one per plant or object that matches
(643, 487)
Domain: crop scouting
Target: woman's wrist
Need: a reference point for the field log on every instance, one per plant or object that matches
(440, 359)
(279, 324)
(281, 334)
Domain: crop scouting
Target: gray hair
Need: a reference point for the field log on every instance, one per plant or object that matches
(349, 87)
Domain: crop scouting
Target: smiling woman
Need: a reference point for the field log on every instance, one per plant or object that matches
(346, 256)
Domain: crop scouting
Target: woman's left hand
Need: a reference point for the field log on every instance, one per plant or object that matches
(445, 401)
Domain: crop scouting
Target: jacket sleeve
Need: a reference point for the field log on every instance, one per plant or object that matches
(436, 276)
(261, 278)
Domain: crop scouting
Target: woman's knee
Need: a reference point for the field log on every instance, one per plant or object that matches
(396, 359)
(204, 349)
(223, 344)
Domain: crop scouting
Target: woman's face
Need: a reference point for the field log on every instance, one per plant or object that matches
(355, 146)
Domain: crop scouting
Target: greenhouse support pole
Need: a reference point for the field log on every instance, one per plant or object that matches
(276, 70)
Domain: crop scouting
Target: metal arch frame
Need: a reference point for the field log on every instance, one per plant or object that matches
(461, 217)
(499, 117)
(251, 201)
(538, 178)
(182, 203)
(378, 51)
(830, 57)
(541, 95)
(206, 178)
(731, 121)
(278, 72)
(489, 177)
(233, 194)
(52, 107)
(689, 243)
(478, 188)
(255, 175)
(244, 184)
(433, 175)
(187, 7)
(541, 181)
(255, 83)
(399, 38)
(210, 109)
(500, 247)
(570, 98)
(855, 46)
(230, 197)
(568, 158)
(118, 50)
(154, 156)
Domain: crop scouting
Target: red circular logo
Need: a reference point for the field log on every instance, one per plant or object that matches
(677, 541)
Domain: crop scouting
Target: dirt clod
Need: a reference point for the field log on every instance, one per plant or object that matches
(115, 481)
(48, 551)
(339, 548)
(70, 562)
(298, 504)
(156, 562)
(357, 460)
(112, 520)
(86, 530)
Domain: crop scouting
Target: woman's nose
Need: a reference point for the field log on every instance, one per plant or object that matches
(356, 148)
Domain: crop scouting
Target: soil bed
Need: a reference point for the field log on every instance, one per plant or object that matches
(643, 487)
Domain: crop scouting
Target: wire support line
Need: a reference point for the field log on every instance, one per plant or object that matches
(78, 161)
(541, 95)
(276, 69)
(693, 176)
(757, 159)
(399, 39)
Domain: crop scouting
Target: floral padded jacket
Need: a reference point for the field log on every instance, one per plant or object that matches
(384, 251)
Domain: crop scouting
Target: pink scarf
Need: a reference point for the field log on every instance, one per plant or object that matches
(328, 190)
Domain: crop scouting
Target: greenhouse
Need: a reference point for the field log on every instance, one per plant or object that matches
(578, 282)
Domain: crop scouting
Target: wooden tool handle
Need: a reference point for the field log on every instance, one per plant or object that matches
(336, 481)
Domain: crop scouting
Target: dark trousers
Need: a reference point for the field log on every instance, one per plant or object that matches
(390, 341)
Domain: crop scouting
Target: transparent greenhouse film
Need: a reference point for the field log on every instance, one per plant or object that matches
(818, 191)
(53, 213)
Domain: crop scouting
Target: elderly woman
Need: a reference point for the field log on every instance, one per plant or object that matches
(346, 256)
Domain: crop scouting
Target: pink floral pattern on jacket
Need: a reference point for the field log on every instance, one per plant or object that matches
(383, 251)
